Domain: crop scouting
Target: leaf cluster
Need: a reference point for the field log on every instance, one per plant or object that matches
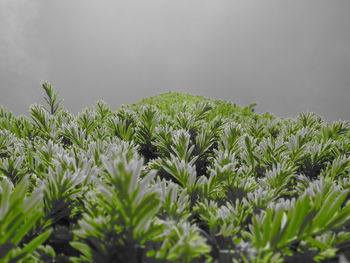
(174, 178)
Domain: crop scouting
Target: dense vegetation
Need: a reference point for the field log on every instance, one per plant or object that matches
(201, 181)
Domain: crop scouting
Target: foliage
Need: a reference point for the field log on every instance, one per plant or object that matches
(18, 215)
(51, 98)
(173, 178)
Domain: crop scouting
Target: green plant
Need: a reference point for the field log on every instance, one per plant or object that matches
(173, 178)
(121, 219)
(18, 215)
(144, 135)
(51, 98)
(182, 243)
(320, 209)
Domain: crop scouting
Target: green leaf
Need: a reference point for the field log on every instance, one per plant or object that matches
(32, 245)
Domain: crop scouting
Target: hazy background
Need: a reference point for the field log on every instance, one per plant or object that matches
(287, 56)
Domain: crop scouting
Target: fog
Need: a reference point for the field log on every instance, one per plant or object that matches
(287, 56)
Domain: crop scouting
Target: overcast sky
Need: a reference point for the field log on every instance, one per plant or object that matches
(287, 56)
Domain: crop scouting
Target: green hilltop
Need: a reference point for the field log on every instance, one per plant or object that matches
(172, 102)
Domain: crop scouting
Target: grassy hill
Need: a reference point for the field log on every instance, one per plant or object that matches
(172, 102)
(172, 178)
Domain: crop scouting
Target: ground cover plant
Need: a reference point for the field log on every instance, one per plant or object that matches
(200, 181)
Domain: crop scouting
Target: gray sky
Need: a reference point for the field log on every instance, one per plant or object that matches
(287, 56)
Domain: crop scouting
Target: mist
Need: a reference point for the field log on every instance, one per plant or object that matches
(287, 56)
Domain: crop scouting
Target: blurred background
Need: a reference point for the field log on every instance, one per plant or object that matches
(287, 56)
